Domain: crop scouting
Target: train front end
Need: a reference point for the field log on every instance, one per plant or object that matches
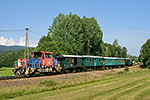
(40, 63)
(20, 67)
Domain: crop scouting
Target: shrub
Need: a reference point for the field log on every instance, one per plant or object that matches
(121, 72)
(148, 67)
(126, 69)
(49, 82)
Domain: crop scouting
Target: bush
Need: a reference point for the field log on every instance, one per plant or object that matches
(126, 69)
(49, 82)
(121, 72)
(148, 67)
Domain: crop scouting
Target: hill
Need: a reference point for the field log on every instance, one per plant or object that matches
(15, 48)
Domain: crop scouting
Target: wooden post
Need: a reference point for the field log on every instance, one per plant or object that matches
(26, 44)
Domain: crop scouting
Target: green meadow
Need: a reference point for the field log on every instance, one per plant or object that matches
(124, 85)
(6, 71)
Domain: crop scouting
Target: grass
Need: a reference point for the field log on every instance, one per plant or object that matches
(132, 85)
(6, 71)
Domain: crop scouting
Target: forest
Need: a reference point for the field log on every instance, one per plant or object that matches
(70, 34)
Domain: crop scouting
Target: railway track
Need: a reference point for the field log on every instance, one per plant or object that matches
(11, 77)
(36, 79)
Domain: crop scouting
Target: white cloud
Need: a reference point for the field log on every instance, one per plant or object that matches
(11, 42)
(3, 40)
(33, 45)
(21, 41)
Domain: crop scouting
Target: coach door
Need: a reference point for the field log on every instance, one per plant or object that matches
(79, 62)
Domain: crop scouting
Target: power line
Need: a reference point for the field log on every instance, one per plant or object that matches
(20, 30)
(10, 30)
(35, 33)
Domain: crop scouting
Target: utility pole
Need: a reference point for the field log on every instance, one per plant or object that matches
(26, 44)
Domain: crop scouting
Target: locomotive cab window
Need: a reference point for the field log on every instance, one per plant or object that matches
(48, 56)
(42, 56)
(37, 55)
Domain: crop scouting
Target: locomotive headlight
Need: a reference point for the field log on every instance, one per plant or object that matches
(49, 61)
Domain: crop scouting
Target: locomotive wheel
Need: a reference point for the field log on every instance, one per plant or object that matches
(17, 73)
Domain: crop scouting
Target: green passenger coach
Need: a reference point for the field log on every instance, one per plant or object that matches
(120, 62)
(69, 61)
(128, 61)
(110, 61)
(83, 62)
(89, 61)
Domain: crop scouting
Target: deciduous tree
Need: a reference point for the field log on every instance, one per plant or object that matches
(145, 53)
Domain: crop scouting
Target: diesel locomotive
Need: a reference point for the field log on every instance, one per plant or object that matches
(44, 62)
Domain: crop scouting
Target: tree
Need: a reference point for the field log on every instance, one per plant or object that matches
(145, 53)
(20, 53)
(68, 32)
(1, 55)
(93, 36)
(115, 48)
(119, 51)
(124, 52)
(44, 39)
(140, 58)
(51, 47)
(8, 58)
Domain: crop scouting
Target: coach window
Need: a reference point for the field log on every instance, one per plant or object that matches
(72, 61)
(87, 60)
(95, 60)
(90, 60)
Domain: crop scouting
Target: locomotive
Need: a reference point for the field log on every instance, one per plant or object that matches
(40, 62)
(44, 62)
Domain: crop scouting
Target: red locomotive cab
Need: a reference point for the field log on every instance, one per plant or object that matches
(47, 58)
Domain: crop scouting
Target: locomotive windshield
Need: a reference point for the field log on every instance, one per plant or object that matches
(37, 55)
(48, 56)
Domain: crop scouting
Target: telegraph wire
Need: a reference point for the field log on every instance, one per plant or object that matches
(35, 33)
(20, 30)
(10, 30)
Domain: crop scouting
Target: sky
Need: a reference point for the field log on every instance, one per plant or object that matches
(128, 21)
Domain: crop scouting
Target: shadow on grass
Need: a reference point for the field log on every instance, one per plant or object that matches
(2, 69)
(142, 66)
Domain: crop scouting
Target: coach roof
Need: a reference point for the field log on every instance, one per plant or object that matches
(68, 56)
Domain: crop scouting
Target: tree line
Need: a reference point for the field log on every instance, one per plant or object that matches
(70, 34)
(145, 54)
(8, 58)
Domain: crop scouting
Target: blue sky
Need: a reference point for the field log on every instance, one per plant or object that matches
(125, 20)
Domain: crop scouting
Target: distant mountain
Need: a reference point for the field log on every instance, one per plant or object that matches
(15, 48)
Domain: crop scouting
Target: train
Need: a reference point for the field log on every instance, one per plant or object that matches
(44, 63)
